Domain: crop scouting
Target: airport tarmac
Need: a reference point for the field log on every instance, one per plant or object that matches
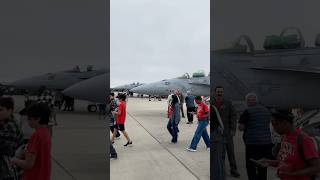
(79, 146)
(153, 157)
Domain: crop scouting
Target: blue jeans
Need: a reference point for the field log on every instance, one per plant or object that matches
(173, 130)
(201, 132)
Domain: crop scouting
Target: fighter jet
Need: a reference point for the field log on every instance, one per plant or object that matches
(283, 77)
(56, 81)
(96, 90)
(197, 85)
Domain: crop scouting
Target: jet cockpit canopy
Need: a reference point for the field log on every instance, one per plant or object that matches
(76, 69)
(89, 68)
(199, 73)
(242, 45)
(184, 76)
(285, 40)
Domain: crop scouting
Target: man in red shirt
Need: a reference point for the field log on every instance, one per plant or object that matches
(297, 158)
(121, 119)
(203, 121)
(37, 161)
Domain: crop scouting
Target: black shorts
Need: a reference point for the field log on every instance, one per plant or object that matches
(119, 127)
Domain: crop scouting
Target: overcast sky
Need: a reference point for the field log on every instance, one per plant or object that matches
(154, 40)
(39, 36)
(261, 18)
(150, 40)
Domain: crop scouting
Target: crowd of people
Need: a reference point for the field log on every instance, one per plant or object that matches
(295, 156)
(117, 116)
(175, 112)
(54, 99)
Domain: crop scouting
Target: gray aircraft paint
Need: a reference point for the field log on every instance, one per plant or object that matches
(56, 81)
(94, 89)
(283, 78)
(197, 86)
(126, 87)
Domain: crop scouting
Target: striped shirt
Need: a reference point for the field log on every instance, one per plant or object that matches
(257, 125)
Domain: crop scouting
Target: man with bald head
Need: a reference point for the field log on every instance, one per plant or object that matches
(255, 123)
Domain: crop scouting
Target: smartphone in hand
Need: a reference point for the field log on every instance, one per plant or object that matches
(262, 162)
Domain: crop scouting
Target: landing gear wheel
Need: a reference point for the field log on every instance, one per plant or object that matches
(92, 108)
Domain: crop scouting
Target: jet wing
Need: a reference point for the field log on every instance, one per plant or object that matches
(289, 69)
(199, 83)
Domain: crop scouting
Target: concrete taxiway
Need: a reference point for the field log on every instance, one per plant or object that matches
(79, 147)
(153, 157)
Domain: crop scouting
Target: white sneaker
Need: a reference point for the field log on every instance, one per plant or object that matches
(208, 149)
(191, 150)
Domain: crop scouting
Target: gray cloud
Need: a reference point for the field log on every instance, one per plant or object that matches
(154, 40)
(37, 37)
(261, 18)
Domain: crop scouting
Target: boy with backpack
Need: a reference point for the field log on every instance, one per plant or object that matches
(297, 158)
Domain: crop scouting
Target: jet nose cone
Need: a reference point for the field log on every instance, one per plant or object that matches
(74, 91)
(151, 89)
(120, 88)
(94, 89)
(139, 90)
(116, 87)
(23, 84)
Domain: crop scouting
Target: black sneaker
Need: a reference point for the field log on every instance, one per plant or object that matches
(235, 173)
(113, 157)
(128, 143)
(118, 137)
